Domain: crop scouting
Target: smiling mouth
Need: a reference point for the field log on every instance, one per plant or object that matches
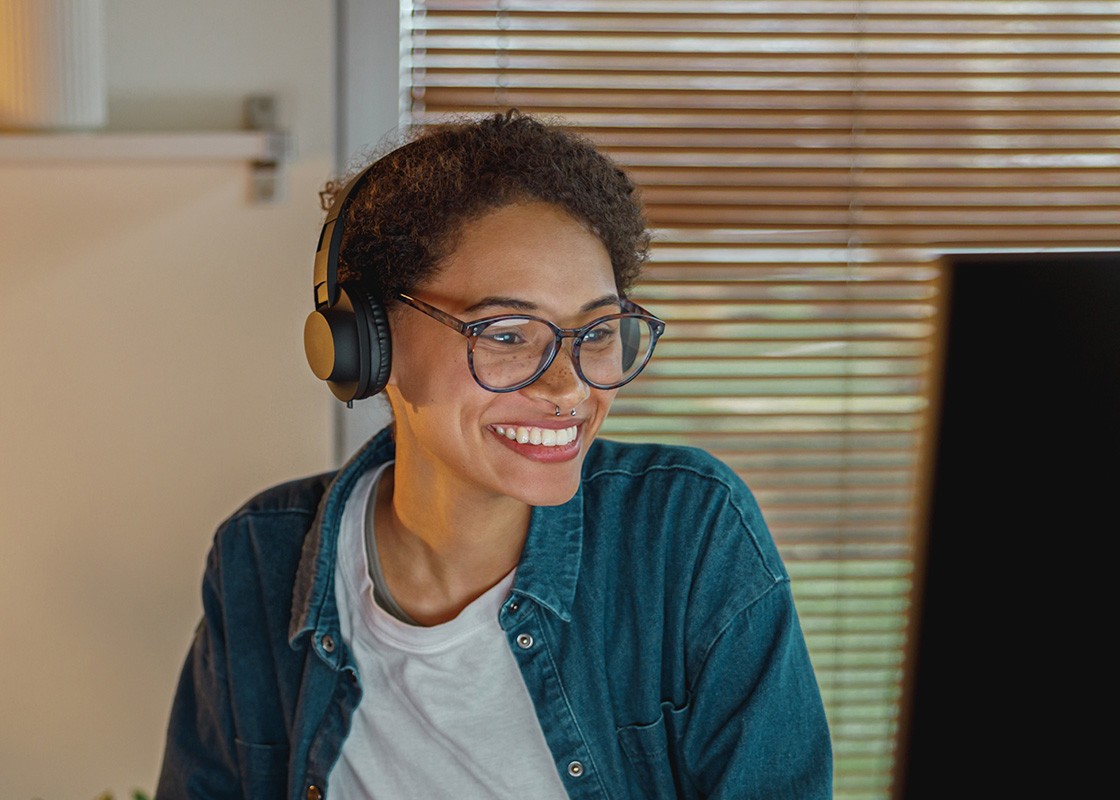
(545, 437)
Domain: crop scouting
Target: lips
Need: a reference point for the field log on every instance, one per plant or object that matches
(544, 437)
(541, 444)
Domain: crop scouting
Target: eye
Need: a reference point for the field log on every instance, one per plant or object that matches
(508, 334)
(506, 337)
(600, 334)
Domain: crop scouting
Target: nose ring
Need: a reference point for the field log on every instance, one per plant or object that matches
(558, 411)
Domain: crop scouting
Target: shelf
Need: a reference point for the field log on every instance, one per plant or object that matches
(264, 150)
(261, 144)
(267, 146)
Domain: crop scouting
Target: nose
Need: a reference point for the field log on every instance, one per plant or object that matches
(560, 385)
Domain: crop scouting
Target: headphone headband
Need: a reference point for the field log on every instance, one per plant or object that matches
(326, 258)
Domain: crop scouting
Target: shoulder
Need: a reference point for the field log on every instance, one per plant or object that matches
(690, 499)
(677, 480)
(679, 529)
(269, 529)
(299, 496)
(655, 461)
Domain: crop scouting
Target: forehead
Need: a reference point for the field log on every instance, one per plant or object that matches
(532, 251)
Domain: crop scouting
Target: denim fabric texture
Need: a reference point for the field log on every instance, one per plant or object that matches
(663, 651)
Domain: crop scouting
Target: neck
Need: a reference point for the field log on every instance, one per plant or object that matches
(441, 544)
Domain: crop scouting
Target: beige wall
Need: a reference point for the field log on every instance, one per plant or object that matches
(151, 379)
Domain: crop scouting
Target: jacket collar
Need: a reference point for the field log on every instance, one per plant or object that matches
(547, 572)
(549, 566)
(313, 606)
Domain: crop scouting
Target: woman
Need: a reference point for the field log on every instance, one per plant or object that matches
(486, 601)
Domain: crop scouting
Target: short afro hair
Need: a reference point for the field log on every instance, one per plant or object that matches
(407, 217)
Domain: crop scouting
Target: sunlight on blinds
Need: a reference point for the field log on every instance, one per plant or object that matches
(804, 163)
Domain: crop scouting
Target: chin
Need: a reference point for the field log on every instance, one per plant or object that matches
(539, 475)
(546, 490)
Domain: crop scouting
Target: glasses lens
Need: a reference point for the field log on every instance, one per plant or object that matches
(615, 350)
(510, 351)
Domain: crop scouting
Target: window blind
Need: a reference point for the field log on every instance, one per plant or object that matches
(804, 163)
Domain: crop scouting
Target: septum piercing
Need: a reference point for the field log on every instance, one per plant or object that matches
(558, 411)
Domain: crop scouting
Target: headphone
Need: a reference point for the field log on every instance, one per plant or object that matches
(346, 337)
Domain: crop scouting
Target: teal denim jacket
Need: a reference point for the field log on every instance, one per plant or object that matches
(651, 617)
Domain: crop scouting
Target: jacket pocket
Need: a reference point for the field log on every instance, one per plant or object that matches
(264, 770)
(653, 757)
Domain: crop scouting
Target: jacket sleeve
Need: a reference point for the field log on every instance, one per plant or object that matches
(756, 727)
(200, 757)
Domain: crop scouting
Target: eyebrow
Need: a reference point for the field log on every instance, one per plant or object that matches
(525, 305)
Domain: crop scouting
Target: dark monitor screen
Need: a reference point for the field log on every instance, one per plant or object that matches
(1025, 483)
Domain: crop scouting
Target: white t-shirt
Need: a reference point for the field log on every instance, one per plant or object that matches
(444, 709)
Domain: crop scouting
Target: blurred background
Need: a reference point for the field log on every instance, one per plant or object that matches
(806, 165)
(151, 373)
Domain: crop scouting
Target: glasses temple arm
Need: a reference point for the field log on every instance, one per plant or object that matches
(433, 312)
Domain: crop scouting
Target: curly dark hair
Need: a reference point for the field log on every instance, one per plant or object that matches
(407, 218)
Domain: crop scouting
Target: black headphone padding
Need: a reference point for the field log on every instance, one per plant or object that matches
(374, 339)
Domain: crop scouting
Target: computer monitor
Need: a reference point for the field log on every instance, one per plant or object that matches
(1023, 506)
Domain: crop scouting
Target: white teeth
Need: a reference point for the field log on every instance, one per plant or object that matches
(545, 437)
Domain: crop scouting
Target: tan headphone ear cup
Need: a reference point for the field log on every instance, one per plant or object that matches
(375, 343)
(333, 347)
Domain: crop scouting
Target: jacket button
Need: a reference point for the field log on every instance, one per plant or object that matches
(524, 641)
(314, 792)
(328, 645)
(575, 769)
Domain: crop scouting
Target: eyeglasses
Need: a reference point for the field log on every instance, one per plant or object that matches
(508, 352)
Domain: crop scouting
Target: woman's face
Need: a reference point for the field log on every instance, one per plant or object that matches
(526, 258)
